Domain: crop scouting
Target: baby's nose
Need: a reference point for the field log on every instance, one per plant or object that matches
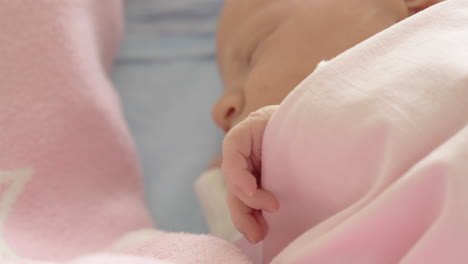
(226, 110)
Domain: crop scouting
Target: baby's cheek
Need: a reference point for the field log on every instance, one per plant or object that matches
(261, 91)
(267, 84)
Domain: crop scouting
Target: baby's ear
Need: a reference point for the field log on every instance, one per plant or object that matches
(415, 6)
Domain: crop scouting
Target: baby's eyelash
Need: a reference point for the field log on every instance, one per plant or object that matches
(253, 51)
(251, 54)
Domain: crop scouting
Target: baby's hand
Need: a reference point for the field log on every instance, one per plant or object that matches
(242, 155)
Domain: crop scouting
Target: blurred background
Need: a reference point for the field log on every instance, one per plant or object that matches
(168, 81)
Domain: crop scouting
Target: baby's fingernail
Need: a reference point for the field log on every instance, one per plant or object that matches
(248, 239)
(273, 208)
(248, 187)
(250, 190)
(252, 241)
(251, 193)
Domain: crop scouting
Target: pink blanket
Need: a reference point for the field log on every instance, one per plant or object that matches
(69, 179)
(369, 155)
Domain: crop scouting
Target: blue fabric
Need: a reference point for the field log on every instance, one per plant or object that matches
(168, 81)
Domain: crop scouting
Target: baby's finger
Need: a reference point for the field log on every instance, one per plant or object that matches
(258, 215)
(260, 199)
(244, 220)
(241, 180)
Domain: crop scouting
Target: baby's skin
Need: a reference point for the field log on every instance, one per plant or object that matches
(265, 49)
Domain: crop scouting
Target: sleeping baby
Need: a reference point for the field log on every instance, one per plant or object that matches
(265, 49)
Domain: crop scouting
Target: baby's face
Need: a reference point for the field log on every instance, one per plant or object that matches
(266, 47)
